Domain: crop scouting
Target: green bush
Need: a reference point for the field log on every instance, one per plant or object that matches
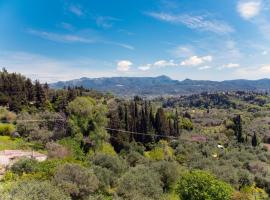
(6, 129)
(169, 173)
(35, 190)
(200, 185)
(24, 165)
(73, 147)
(162, 151)
(186, 124)
(113, 163)
(76, 180)
(140, 183)
(106, 177)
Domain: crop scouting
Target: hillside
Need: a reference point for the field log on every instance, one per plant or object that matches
(162, 85)
(79, 144)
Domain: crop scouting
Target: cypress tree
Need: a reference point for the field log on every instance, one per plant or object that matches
(238, 128)
(254, 140)
(126, 118)
(161, 123)
(40, 95)
(176, 123)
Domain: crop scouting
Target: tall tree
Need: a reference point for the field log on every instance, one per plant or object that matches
(40, 96)
(238, 128)
(161, 123)
(87, 121)
(254, 140)
(176, 123)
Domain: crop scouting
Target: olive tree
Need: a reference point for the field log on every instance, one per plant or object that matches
(35, 190)
(76, 180)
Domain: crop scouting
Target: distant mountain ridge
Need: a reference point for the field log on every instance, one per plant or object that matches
(163, 85)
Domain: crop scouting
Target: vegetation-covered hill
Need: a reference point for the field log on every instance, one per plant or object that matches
(208, 146)
(162, 85)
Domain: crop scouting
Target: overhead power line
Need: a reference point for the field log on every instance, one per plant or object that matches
(137, 133)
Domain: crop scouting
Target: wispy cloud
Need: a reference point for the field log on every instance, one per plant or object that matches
(201, 23)
(126, 46)
(67, 26)
(61, 37)
(76, 10)
(182, 51)
(73, 38)
(106, 21)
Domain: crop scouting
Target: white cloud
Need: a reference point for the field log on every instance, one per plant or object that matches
(164, 63)
(195, 60)
(145, 67)
(249, 9)
(229, 66)
(232, 65)
(205, 67)
(72, 38)
(124, 65)
(158, 64)
(200, 23)
(76, 10)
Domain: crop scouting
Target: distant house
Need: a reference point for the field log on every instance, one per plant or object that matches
(8, 157)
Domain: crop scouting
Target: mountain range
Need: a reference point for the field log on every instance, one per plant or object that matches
(163, 85)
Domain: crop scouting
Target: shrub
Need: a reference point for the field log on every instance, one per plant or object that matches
(6, 115)
(76, 180)
(134, 158)
(113, 163)
(48, 167)
(41, 135)
(36, 190)
(6, 129)
(168, 172)
(73, 147)
(199, 185)
(24, 165)
(107, 148)
(106, 177)
(186, 124)
(57, 150)
(161, 152)
(141, 182)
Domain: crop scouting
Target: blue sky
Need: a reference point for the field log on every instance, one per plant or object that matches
(199, 39)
